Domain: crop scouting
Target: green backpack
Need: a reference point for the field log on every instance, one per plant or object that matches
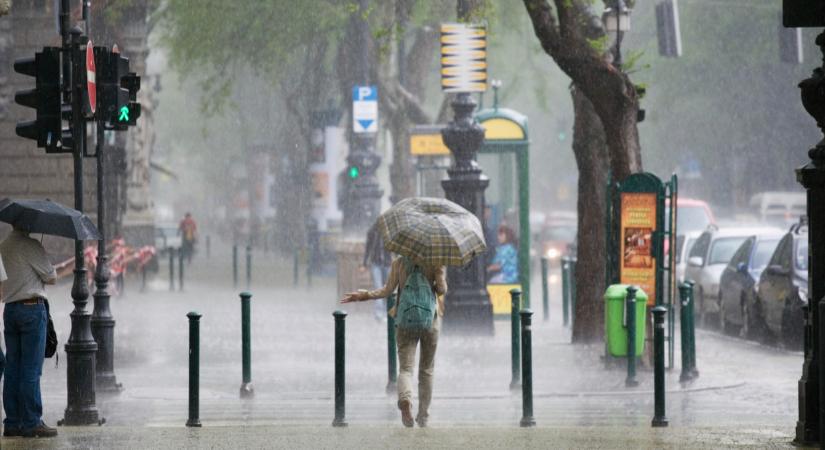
(416, 304)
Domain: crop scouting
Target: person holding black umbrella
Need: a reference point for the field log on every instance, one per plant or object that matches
(25, 321)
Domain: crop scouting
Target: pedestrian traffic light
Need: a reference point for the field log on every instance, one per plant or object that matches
(117, 100)
(354, 172)
(667, 29)
(44, 98)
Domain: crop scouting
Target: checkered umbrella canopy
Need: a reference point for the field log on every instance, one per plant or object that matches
(432, 232)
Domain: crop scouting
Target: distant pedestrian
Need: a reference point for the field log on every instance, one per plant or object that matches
(25, 321)
(505, 261)
(377, 260)
(403, 269)
(188, 230)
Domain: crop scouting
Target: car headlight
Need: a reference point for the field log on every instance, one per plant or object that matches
(553, 253)
(803, 295)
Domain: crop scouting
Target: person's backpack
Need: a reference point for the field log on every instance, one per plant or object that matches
(416, 304)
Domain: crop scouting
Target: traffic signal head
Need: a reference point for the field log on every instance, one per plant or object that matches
(44, 98)
(117, 98)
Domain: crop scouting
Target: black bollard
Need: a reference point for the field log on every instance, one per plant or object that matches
(685, 316)
(565, 290)
(248, 266)
(246, 345)
(527, 419)
(392, 358)
(659, 418)
(143, 278)
(180, 271)
(545, 294)
(235, 265)
(630, 316)
(340, 366)
(515, 329)
(171, 269)
(295, 262)
(208, 246)
(194, 369)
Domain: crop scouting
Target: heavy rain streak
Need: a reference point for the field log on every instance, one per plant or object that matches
(412, 223)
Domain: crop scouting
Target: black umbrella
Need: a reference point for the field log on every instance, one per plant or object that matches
(48, 217)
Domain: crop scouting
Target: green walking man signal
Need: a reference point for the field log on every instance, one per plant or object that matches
(354, 172)
(124, 114)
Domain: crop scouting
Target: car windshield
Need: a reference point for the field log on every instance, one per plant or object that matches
(762, 253)
(722, 249)
(802, 254)
(691, 218)
(566, 234)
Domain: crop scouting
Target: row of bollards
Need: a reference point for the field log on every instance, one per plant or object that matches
(688, 333)
(545, 294)
(248, 266)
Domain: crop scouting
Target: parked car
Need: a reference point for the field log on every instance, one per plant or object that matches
(779, 208)
(707, 259)
(737, 286)
(167, 237)
(783, 289)
(684, 242)
(692, 215)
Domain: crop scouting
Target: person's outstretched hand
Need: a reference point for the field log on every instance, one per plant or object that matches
(354, 297)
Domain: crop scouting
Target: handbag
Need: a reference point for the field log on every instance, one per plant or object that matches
(51, 335)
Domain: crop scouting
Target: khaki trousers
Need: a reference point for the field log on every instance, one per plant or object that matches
(407, 343)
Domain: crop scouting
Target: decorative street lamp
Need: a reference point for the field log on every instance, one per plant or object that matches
(616, 19)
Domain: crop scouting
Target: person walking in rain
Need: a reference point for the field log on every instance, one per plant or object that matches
(25, 321)
(428, 234)
(378, 261)
(188, 230)
(401, 269)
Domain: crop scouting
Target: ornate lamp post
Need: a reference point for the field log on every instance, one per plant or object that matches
(812, 176)
(468, 304)
(616, 19)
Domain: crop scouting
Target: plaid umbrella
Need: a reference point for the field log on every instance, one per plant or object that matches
(432, 232)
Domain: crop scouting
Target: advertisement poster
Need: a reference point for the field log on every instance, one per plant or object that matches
(638, 222)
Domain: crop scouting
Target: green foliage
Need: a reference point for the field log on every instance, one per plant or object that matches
(599, 45)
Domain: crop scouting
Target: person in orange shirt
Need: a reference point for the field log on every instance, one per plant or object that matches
(188, 230)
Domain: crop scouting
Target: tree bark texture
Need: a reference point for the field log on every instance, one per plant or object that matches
(590, 150)
(569, 32)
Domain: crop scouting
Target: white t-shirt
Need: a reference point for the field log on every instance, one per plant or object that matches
(28, 268)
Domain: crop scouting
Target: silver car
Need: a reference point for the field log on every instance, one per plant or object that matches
(707, 260)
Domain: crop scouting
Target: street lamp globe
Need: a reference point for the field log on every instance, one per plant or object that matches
(617, 17)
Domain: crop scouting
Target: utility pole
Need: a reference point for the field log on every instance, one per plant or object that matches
(362, 202)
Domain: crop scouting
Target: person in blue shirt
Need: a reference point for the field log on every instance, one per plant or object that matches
(504, 266)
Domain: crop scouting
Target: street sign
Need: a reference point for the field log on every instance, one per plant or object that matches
(425, 140)
(91, 86)
(463, 57)
(365, 109)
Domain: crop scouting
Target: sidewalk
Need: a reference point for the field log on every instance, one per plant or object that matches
(745, 395)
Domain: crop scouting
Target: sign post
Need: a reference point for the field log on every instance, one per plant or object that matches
(365, 109)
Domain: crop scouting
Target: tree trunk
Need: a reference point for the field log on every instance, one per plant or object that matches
(590, 150)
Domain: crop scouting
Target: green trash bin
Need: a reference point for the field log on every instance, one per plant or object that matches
(614, 320)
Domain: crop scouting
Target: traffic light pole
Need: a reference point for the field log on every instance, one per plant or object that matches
(81, 347)
(103, 324)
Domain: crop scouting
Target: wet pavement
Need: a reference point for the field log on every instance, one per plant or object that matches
(745, 395)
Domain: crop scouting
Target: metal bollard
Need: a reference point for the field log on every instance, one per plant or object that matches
(515, 327)
(545, 295)
(527, 419)
(295, 263)
(246, 345)
(208, 246)
(171, 269)
(572, 276)
(392, 357)
(565, 289)
(248, 266)
(194, 369)
(340, 366)
(143, 278)
(630, 322)
(659, 418)
(180, 270)
(235, 265)
(685, 315)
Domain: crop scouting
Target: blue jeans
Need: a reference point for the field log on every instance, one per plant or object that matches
(25, 333)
